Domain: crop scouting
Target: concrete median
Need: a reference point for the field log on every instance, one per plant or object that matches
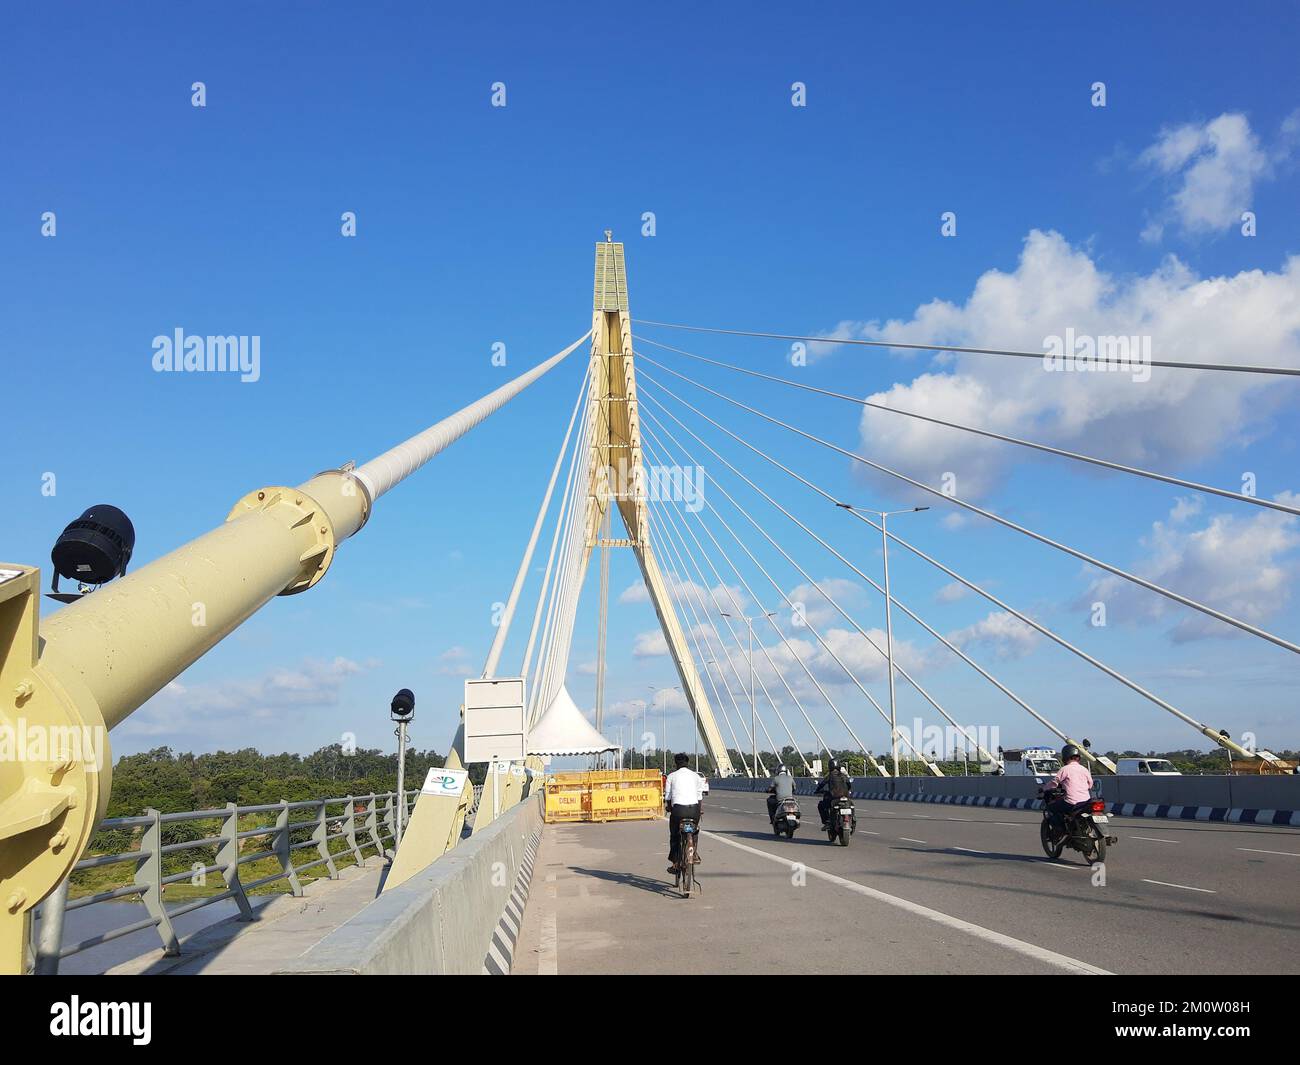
(1273, 800)
(445, 919)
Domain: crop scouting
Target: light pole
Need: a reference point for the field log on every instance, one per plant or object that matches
(674, 688)
(401, 710)
(753, 713)
(883, 515)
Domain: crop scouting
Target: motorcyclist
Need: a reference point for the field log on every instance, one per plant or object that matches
(1075, 781)
(835, 786)
(780, 789)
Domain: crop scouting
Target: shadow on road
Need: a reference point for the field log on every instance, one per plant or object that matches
(656, 887)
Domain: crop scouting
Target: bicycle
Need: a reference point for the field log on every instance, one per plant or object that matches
(685, 881)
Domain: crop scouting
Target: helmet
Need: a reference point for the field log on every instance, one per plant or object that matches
(1070, 751)
(782, 769)
(834, 765)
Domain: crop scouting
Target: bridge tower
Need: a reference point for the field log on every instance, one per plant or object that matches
(617, 476)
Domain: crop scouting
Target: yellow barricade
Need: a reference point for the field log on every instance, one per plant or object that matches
(604, 795)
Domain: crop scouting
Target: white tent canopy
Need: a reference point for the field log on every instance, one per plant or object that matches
(563, 730)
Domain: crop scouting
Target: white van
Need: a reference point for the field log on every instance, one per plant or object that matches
(1154, 767)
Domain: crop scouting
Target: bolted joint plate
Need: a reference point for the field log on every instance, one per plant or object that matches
(55, 763)
(306, 518)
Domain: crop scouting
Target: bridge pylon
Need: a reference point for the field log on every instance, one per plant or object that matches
(618, 475)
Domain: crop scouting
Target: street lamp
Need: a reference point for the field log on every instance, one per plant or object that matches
(674, 688)
(883, 515)
(401, 710)
(753, 713)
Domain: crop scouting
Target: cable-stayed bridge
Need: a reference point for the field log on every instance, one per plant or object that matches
(945, 866)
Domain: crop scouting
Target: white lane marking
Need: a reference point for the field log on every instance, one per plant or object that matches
(1185, 887)
(1256, 850)
(868, 832)
(908, 839)
(1062, 865)
(548, 963)
(1029, 950)
(1152, 839)
(969, 850)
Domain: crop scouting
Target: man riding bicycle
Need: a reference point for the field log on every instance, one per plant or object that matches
(682, 796)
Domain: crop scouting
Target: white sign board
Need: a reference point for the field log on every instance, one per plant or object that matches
(445, 782)
(817, 767)
(495, 729)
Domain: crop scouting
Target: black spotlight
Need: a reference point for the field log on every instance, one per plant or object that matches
(93, 549)
(403, 707)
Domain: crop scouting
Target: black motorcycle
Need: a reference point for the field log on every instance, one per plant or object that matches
(1082, 828)
(841, 821)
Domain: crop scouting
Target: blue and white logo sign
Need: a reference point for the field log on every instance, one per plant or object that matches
(445, 782)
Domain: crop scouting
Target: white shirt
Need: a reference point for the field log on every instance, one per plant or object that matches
(684, 788)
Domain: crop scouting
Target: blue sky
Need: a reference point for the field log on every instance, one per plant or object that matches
(475, 226)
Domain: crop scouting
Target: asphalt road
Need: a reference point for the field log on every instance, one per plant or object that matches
(941, 890)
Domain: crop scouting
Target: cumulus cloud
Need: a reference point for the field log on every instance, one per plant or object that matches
(951, 592)
(719, 597)
(1214, 167)
(1251, 317)
(1240, 564)
(454, 662)
(1002, 633)
(813, 602)
(181, 709)
(649, 644)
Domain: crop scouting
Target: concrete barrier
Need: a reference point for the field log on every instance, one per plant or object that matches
(445, 919)
(1273, 800)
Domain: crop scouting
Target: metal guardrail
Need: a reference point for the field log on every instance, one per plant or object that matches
(363, 822)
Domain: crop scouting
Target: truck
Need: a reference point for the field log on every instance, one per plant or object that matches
(1037, 762)
(1155, 767)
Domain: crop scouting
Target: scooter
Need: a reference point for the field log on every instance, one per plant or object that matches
(785, 818)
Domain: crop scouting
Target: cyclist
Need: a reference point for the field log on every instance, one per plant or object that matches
(682, 796)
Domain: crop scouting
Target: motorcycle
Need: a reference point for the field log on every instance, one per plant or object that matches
(842, 822)
(785, 818)
(1082, 829)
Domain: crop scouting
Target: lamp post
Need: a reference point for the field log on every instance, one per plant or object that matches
(753, 713)
(401, 710)
(883, 515)
(674, 688)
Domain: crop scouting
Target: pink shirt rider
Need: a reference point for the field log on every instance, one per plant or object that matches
(1076, 780)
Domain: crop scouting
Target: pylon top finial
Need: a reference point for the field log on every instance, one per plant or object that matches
(609, 236)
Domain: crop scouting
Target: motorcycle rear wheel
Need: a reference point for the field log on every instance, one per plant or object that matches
(789, 831)
(1052, 848)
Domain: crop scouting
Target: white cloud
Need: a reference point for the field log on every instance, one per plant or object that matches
(951, 592)
(1251, 317)
(1006, 635)
(454, 662)
(649, 644)
(1240, 564)
(817, 609)
(182, 709)
(1215, 166)
(636, 592)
